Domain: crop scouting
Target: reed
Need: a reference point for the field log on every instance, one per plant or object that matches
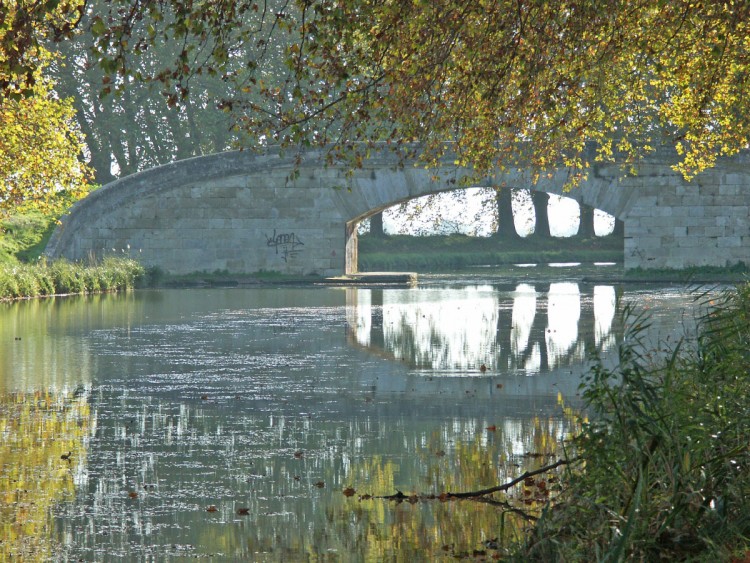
(21, 280)
(665, 459)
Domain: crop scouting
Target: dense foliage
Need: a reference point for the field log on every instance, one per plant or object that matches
(665, 458)
(40, 150)
(25, 26)
(510, 82)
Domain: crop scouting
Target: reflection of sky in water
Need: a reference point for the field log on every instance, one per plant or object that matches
(563, 315)
(359, 316)
(460, 329)
(447, 329)
(524, 311)
(605, 304)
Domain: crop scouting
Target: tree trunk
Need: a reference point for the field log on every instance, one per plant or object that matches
(506, 226)
(541, 223)
(586, 222)
(619, 230)
(376, 225)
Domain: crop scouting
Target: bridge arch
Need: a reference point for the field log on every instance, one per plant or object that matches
(242, 212)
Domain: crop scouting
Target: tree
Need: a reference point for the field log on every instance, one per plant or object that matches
(585, 222)
(376, 225)
(25, 25)
(541, 214)
(506, 227)
(507, 82)
(40, 146)
(138, 127)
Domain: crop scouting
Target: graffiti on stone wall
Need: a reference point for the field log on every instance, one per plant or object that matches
(287, 245)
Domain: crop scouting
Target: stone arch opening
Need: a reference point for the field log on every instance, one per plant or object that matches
(505, 215)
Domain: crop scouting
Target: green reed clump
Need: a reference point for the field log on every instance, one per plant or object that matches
(20, 280)
(664, 470)
(69, 277)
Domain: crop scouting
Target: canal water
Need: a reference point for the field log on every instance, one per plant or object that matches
(263, 423)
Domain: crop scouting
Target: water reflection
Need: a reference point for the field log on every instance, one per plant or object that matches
(526, 330)
(42, 456)
(275, 401)
(45, 344)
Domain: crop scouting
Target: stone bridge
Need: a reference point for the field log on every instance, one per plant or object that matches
(242, 212)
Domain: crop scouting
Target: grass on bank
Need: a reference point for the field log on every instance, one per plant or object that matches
(61, 277)
(24, 236)
(451, 252)
(735, 273)
(663, 470)
(24, 273)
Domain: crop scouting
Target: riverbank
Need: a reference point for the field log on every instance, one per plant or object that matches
(528, 259)
(439, 253)
(605, 272)
(42, 279)
(22, 281)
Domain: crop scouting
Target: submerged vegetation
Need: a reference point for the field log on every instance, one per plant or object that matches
(661, 469)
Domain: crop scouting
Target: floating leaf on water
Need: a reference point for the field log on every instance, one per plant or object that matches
(483, 368)
(320, 484)
(499, 386)
(242, 511)
(298, 454)
(133, 494)
(492, 428)
(440, 453)
(348, 492)
(211, 508)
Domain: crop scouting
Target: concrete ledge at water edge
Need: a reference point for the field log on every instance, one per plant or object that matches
(375, 278)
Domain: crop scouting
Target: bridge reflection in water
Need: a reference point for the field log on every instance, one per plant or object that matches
(528, 330)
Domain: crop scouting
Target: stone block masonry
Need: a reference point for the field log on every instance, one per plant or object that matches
(243, 213)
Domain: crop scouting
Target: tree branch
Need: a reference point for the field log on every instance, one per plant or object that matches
(509, 484)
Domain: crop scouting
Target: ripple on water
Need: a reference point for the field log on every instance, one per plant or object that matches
(279, 409)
